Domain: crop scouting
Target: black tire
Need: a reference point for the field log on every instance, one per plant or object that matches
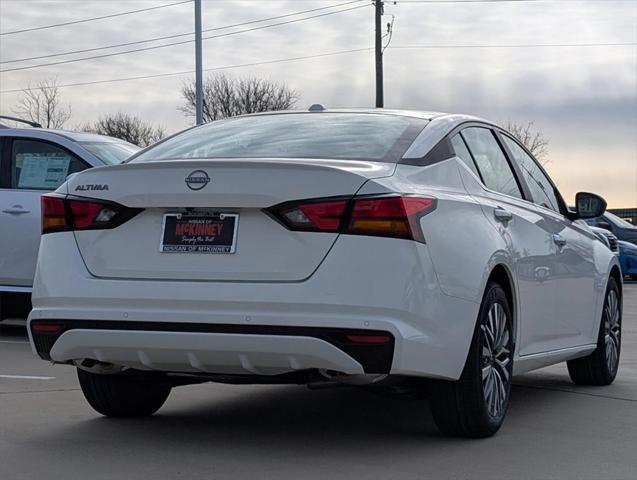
(123, 395)
(463, 408)
(600, 367)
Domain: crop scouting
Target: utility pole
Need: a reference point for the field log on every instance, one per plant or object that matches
(378, 12)
(198, 64)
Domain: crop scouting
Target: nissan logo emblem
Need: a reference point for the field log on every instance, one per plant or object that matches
(197, 180)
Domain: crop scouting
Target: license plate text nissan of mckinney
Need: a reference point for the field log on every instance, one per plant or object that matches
(183, 233)
(377, 247)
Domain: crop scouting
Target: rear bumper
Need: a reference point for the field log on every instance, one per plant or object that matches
(216, 348)
(365, 284)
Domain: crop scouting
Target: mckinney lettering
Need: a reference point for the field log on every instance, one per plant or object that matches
(212, 229)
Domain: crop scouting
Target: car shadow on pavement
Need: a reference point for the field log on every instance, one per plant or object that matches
(293, 416)
(293, 412)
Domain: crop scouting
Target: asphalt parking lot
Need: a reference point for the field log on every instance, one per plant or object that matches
(554, 429)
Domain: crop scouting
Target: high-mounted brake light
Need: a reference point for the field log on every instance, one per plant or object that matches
(385, 215)
(62, 214)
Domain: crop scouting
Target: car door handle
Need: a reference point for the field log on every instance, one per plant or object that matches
(502, 215)
(559, 240)
(15, 210)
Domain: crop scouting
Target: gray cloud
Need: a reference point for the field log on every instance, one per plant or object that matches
(585, 99)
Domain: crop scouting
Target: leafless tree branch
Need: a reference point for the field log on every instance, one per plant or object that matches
(534, 140)
(42, 103)
(225, 96)
(126, 127)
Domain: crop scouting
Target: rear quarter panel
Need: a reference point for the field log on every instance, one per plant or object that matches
(463, 246)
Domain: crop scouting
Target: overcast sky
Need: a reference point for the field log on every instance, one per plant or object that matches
(583, 98)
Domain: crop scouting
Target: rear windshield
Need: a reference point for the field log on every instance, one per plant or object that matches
(298, 135)
(111, 153)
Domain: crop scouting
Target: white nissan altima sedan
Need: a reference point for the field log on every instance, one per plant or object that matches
(351, 246)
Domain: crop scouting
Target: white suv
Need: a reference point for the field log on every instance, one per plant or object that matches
(34, 161)
(346, 246)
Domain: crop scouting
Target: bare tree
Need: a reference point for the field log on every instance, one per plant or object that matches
(224, 96)
(42, 103)
(534, 140)
(126, 127)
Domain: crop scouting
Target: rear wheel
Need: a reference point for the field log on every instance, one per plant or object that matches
(475, 405)
(123, 395)
(600, 367)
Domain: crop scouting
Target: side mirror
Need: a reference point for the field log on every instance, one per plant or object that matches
(589, 205)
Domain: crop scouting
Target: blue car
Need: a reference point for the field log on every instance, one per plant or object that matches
(618, 226)
(628, 258)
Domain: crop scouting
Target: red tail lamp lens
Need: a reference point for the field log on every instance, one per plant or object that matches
(54, 217)
(385, 216)
(315, 216)
(67, 213)
(48, 328)
(90, 214)
(389, 217)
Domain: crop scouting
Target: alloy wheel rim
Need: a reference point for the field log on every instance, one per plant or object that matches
(612, 330)
(495, 359)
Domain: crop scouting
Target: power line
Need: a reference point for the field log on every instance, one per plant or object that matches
(503, 1)
(168, 37)
(181, 42)
(186, 72)
(340, 52)
(517, 45)
(75, 22)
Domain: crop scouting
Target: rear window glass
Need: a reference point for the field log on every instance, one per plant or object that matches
(311, 135)
(111, 153)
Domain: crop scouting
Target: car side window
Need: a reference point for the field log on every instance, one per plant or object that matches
(38, 165)
(492, 164)
(541, 189)
(462, 152)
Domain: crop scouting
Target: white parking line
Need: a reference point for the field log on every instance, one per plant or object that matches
(12, 341)
(26, 377)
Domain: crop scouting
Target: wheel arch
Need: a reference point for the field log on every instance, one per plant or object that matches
(616, 273)
(501, 275)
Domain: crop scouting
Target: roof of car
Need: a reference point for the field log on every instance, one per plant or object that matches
(81, 137)
(386, 111)
(425, 115)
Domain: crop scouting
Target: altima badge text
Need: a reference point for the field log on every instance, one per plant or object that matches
(91, 187)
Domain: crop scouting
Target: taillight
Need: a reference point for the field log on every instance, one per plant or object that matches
(53, 214)
(390, 216)
(60, 214)
(386, 215)
(91, 214)
(315, 216)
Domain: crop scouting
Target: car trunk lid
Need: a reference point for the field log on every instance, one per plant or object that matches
(173, 193)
